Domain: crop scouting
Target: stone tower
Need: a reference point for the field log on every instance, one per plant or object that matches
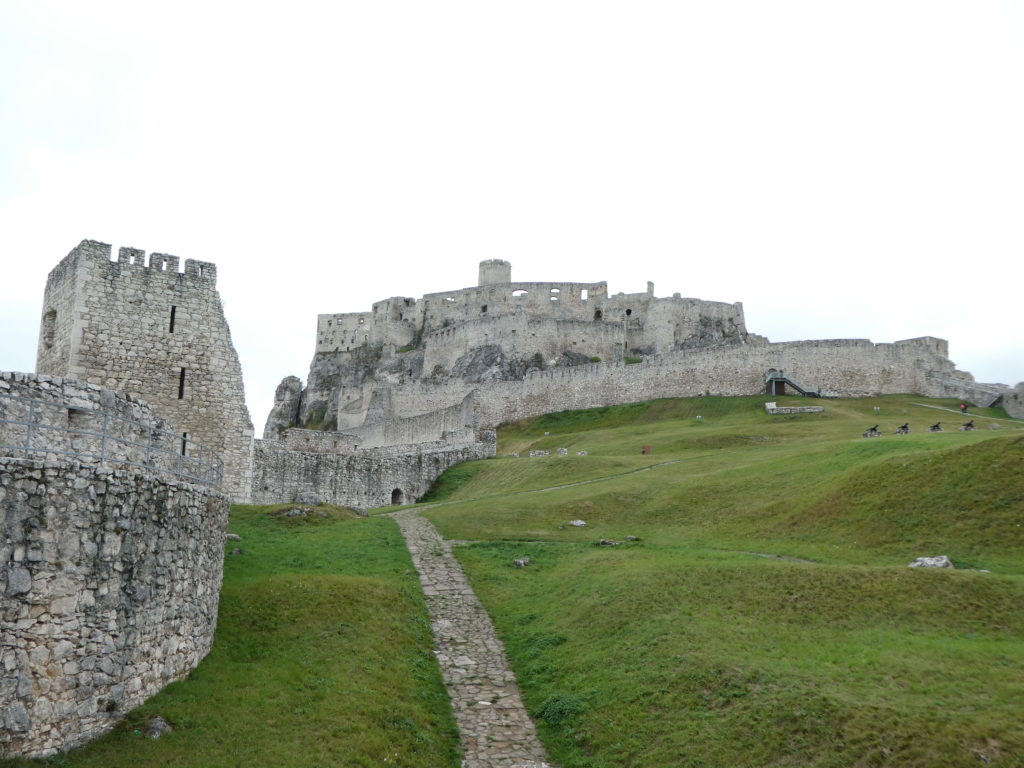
(495, 272)
(157, 333)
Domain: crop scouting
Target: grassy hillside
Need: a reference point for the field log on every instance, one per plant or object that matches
(322, 658)
(765, 616)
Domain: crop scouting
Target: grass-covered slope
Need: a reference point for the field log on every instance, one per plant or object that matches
(322, 657)
(690, 647)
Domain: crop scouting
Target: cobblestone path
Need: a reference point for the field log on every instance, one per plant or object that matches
(496, 731)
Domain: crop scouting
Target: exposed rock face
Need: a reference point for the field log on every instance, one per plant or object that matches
(285, 413)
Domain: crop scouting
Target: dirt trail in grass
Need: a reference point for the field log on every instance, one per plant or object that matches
(496, 731)
(972, 415)
(601, 479)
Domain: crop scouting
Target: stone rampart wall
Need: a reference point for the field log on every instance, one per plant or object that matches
(110, 583)
(367, 478)
(963, 387)
(54, 417)
(1013, 401)
(317, 441)
(454, 424)
(851, 368)
(110, 572)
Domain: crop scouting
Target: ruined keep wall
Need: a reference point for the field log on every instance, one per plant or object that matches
(110, 580)
(157, 333)
(522, 336)
(361, 480)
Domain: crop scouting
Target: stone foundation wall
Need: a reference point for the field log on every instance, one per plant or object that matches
(110, 581)
(360, 480)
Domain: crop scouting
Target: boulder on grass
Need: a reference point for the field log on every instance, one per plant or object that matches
(939, 561)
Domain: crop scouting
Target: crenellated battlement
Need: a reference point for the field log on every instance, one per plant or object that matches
(133, 261)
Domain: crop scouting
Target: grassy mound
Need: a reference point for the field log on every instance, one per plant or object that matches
(322, 657)
(765, 614)
(630, 656)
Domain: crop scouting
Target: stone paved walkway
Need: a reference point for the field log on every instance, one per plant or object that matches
(496, 730)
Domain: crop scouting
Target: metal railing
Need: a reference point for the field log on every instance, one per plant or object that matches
(102, 437)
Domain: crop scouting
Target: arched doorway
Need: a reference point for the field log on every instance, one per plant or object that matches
(397, 497)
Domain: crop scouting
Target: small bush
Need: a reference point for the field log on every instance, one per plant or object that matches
(559, 708)
(633, 360)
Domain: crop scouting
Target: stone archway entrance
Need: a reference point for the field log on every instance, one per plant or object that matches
(397, 497)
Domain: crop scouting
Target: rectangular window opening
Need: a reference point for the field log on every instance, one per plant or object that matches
(174, 311)
(184, 443)
(181, 385)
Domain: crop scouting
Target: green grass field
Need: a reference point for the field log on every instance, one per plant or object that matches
(322, 658)
(765, 616)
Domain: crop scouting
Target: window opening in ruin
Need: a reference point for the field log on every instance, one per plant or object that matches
(597, 314)
(483, 309)
(200, 270)
(554, 294)
(583, 295)
(397, 497)
(174, 311)
(520, 292)
(629, 312)
(49, 328)
(184, 442)
(181, 385)
(449, 298)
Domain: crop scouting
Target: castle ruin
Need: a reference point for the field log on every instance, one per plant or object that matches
(438, 370)
(147, 329)
(396, 395)
(114, 539)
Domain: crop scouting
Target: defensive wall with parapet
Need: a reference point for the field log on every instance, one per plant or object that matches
(112, 555)
(160, 334)
(361, 479)
(850, 368)
(392, 460)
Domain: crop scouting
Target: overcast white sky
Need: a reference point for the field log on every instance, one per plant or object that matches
(845, 169)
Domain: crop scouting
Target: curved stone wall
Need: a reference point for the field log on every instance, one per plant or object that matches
(110, 577)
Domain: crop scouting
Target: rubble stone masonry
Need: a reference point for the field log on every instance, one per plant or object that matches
(157, 333)
(110, 576)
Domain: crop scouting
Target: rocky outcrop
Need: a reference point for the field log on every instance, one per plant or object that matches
(285, 413)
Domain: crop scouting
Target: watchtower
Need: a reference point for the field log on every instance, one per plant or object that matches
(160, 334)
(495, 272)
